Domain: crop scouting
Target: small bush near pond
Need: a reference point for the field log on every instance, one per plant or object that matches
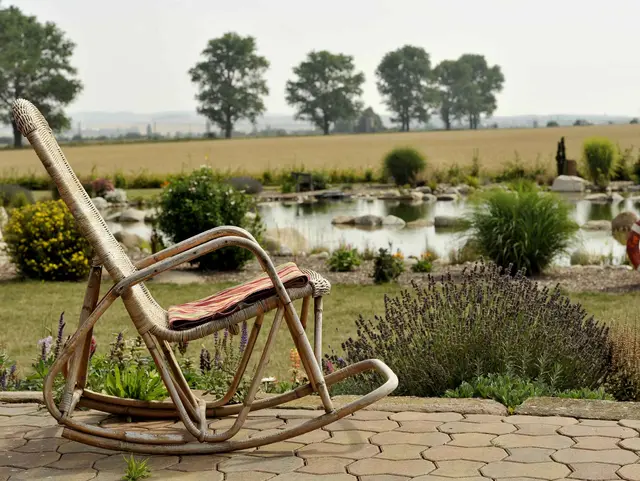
(513, 390)
(194, 203)
(444, 333)
(526, 228)
(44, 242)
(425, 262)
(344, 259)
(404, 164)
(599, 156)
(387, 267)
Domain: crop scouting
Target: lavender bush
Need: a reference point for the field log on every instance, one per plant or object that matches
(447, 332)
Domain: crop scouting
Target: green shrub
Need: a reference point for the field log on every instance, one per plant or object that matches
(425, 262)
(344, 259)
(513, 390)
(440, 334)
(624, 167)
(44, 242)
(599, 156)
(194, 203)
(525, 229)
(404, 164)
(387, 267)
(119, 180)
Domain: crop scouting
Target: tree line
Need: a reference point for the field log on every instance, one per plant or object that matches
(325, 88)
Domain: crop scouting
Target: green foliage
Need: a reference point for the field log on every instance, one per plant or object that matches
(524, 229)
(326, 89)
(552, 123)
(451, 79)
(404, 164)
(516, 170)
(14, 196)
(230, 80)
(387, 267)
(513, 390)
(599, 156)
(624, 168)
(344, 259)
(135, 382)
(44, 242)
(444, 332)
(136, 470)
(404, 83)
(35, 64)
(207, 203)
(425, 262)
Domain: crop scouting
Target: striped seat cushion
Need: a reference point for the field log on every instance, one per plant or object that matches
(234, 299)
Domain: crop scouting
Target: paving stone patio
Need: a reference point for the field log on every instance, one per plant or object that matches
(368, 446)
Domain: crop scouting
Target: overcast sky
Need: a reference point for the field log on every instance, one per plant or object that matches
(558, 56)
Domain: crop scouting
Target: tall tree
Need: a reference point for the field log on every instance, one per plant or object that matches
(450, 77)
(481, 83)
(326, 89)
(35, 63)
(230, 80)
(404, 81)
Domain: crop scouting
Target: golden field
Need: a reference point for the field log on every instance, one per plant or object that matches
(494, 147)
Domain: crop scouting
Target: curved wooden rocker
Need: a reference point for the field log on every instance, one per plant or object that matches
(152, 324)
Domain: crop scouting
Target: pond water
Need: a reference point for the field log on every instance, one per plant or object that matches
(313, 221)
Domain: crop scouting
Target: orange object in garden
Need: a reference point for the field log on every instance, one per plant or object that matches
(632, 245)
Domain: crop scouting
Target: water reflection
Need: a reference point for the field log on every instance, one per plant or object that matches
(599, 211)
(409, 211)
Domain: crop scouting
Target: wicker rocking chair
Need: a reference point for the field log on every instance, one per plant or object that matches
(153, 325)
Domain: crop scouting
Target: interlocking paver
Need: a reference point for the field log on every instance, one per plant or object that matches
(326, 465)
(597, 443)
(79, 461)
(282, 448)
(423, 439)
(27, 460)
(6, 472)
(553, 441)
(431, 477)
(487, 428)
(26, 420)
(10, 444)
(537, 429)
(14, 432)
(556, 420)
(354, 424)
(630, 423)
(245, 476)
(471, 439)
(400, 451)
(73, 447)
(351, 451)
(630, 443)
(350, 437)
(408, 467)
(450, 453)
(507, 469)
(484, 418)
(418, 426)
(530, 455)
(51, 474)
(384, 477)
(415, 416)
(630, 472)
(371, 415)
(597, 422)
(18, 409)
(316, 436)
(197, 463)
(50, 432)
(594, 471)
(116, 462)
(313, 477)
(606, 431)
(458, 469)
(612, 456)
(191, 476)
(275, 464)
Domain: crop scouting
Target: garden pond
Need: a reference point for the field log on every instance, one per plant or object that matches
(311, 224)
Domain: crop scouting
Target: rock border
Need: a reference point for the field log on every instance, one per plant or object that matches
(580, 408)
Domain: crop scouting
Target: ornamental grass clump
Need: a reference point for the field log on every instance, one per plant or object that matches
(436, 336)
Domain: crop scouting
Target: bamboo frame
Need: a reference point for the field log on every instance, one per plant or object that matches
(184, 405)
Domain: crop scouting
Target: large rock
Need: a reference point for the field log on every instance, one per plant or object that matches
(623, 221)
(597, 225)
(344, 220)
(425, 189)
(4, 218)
(612, 197)
(568, 183)
(579, 408)
(131, 215)
(116, 196)
(447, 221)
(420, 223)
(100, 203)
(429, 198)
(368, 220)
(447, 197)
(129, 239)
(392, 220)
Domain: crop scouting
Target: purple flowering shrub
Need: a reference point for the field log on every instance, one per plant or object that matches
(446, 332)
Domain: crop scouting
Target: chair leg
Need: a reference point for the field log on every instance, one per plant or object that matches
(317, 329)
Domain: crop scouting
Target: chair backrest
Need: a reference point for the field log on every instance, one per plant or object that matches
(35, 128)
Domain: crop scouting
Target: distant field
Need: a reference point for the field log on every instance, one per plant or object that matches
(494, 147)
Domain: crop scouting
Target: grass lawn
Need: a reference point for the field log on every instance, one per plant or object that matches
(30, 310)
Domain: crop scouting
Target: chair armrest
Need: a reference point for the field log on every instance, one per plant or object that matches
(194, 241)
(200, 250)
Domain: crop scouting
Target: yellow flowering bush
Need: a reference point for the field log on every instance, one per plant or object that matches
(44, 242)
